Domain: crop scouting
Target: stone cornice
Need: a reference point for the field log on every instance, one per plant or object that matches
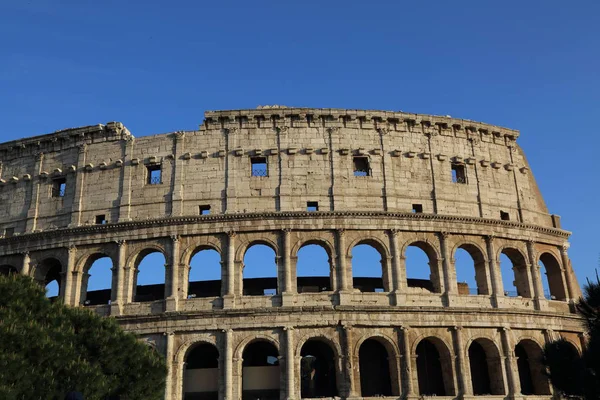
(335, 114)
(219, 218)
(70, 137)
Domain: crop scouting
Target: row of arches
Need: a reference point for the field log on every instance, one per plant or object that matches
(315, 269)
(320, 371)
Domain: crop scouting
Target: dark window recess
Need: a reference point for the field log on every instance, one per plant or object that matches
(204, 210)
(361, 166)
(459, 174)
(312, 206)
(259, 166)
(59, 187)
(417, 208)
(101, 219)
(9, 232)
(154, 174)
(504, 216)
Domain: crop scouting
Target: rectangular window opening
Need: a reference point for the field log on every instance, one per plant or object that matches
(459, 174)
(504, 216)
(312, 206)
(417, 208)
(259, 166)
(59, 187)
(9, 232)
(101, 219)
(154, 174)
(361, 166)
(205, 210)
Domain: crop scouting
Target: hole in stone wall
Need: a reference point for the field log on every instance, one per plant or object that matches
(260, 371)
(260, 271)
(374, 365)
(97, 289)
(504, 216)
(154, 174)
(417, 208)
(367, 271)
(150, 276)
(9, 232)
(59, 187)
(101, 219)
(313, 269)
(204, 210)
(361, 166)
(205, 274)
(259, 166)
(312, 206)
(459, 173)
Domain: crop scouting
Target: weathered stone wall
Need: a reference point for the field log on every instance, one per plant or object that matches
(310, 158)
(309, 155)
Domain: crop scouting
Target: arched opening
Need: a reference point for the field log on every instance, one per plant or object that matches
(7, 270)
(201, 376)
(374, 366)
(420, 262)
(531, 369)
(150, 276)
(486, 368)
(513, 268)
(552, 277)
(260, 271)
(205, 274)
(367, 268)
(97, 280)
(434, 370)
(313, 269)
(317, 370)
(48, 273)
(471, 276)
(260, 371)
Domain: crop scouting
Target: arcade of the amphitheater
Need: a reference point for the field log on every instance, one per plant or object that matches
(288, 178)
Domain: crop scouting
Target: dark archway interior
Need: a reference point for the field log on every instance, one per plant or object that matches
(260, 371)
(480, 375)
(374, 369)
(201, 380)
(524, 371)
(553, 280)
(7, 270)
(317, 370)
(429, 370)
(531, 370)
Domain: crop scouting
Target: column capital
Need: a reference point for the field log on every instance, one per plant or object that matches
(456, 328)
(341, 231)
(564, 247)
(288, 328)
(72, 249)
(443, 235)
(393, 232)
(231, 233)
(504, 329)
(25, 253)
(175, 238)
(120, 243)
(286, 231)
(490, 238)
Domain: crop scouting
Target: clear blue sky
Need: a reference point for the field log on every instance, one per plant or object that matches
(157, 66)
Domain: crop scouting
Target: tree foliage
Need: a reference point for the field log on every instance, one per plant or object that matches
(48, 349)
(572, 374)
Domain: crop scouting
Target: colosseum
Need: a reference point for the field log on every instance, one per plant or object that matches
(288, 178)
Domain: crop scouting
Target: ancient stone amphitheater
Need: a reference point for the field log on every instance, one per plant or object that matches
(288, 178)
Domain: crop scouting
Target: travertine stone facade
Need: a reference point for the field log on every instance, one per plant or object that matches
(387, 179)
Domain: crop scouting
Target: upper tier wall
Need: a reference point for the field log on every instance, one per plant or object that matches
(310, 156)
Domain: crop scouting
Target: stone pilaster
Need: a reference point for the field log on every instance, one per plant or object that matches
(78, 190)
(171, 365)
(462, 374)
(32, 212)
(26, 265)
(229, 294)
(290, 385)
(228, 370)
(126, 177)
(172, 277)
(70, 282)
(449, 274)
(494, 271)
(406, 362)
(534, 271)
(512, 374)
